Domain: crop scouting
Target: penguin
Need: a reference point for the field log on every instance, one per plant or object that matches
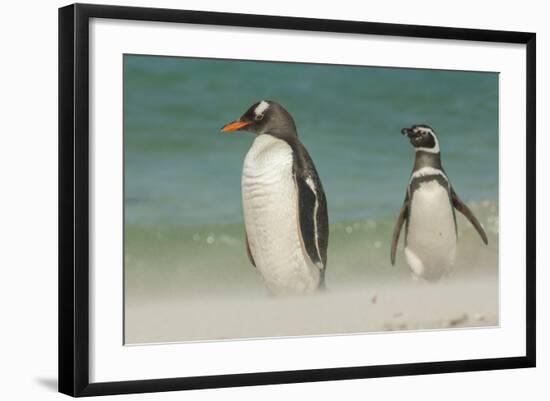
(428, 211)
(284, 205)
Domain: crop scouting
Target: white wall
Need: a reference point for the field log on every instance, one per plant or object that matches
(28, 201)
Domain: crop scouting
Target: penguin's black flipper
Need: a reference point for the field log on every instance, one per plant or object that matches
(403, 215)
(462, 208)
(313, 218)
(248, 250)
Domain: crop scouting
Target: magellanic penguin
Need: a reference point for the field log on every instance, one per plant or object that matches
(285, 210)
(428, 211)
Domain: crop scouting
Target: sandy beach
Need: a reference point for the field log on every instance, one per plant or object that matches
(344, 309)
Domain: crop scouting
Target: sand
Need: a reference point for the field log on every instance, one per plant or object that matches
(345, 308)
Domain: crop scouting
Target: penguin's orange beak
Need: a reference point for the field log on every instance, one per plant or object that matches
(235, 126)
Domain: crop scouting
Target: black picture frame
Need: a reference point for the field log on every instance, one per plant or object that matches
(74, 198)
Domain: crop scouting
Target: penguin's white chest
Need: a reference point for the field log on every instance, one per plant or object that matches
(271, 216)
(431, 236)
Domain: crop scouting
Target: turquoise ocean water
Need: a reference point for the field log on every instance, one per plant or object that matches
(183, 217)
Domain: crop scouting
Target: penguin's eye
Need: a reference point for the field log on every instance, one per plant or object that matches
(259, 117)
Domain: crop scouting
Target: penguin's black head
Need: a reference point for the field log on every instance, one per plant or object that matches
(264, 117)
(422, 137)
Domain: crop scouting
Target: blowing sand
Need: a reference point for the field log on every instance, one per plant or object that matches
(343, 309)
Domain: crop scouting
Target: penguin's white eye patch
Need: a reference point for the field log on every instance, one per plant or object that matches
(261, 107)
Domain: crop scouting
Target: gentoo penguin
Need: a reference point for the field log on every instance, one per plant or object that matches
(285, 210)
(428, 210)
